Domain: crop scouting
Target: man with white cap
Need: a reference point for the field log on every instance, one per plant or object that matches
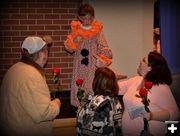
(25, 104)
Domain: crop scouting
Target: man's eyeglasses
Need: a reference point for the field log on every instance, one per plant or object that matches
(85, 60)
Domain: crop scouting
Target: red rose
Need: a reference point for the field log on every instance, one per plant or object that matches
(79, 81)
(143, 92)
(56, 70)
(148, 84)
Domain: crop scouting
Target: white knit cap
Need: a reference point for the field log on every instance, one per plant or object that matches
(33, 44)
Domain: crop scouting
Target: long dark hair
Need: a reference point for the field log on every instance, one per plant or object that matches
(105, 82)
(160, 73)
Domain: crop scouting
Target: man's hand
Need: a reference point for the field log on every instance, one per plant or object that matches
(48, 39)
(56, 100)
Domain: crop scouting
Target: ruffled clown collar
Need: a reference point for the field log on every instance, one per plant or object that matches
(86, 33)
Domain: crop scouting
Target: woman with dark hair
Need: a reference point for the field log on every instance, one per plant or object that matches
(102, 115)
(162, 104)
(160, 72)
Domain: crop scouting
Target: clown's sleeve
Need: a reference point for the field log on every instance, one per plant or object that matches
(104, 53)
(70, 45)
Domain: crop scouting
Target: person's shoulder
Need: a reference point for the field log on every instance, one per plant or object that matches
(27, 70)
(160, 87)
(159, 90)
(98, 100)
(97, 24)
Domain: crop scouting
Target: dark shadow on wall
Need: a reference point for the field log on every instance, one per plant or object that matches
(66, 110)
(175, 88)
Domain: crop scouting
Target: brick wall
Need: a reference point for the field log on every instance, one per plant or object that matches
(37, 17)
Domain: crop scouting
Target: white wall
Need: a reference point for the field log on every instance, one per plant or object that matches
(128, 27)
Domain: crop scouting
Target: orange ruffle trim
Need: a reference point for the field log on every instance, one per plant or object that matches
(77, 30)
(107, 60)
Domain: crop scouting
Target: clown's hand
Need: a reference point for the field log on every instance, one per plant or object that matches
(99, 62)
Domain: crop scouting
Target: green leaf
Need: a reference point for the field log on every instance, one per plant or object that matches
(138, 96)
(60, 88)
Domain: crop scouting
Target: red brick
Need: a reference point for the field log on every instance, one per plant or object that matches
(15, 60)
(49, 65)
(36, 27)
(35, 16)
(11, 22)
(70, 65)
(5, 28)
(59, 43)
(18, 39)
(27, 22)
(47, 70)
(52, 5)
(11, 33)
(62, 48)
(38, 18)
(27, 11)
(52, 16)
(52, 27)
(55, 49)
(5, 61)
(19, 5)
(65, 87)
(60, 65)
(12, 44)
(10, 11)
(1, 56)
(56, 38)
(19, 27)
(60, 21)
(6, 39)
(66, 59)
(48, 76)
(50, 82)
(5, 16)
(66, 70)
(67, 16)
(60, 33)
(35, 5)
(63, 38)
(7, 66)
(65, 27)
(67, 6)
(44, 11)
(42, 33)
(44, 22)
(5, 50)
(50, 55)
(53, 60)
(12, 55)
(74, 11)
(64, 75)
(16, 50)
(60, 11)
(59, 54)
(15, 16)
(66, 81)
(27, 33)
(70, 75)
